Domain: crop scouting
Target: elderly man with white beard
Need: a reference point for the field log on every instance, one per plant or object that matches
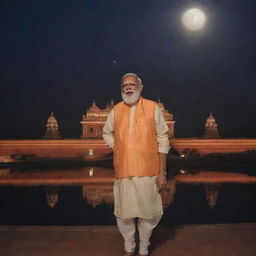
(137, 133)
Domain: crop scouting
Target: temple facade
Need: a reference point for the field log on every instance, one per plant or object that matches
(52, 128)
(94, 119)
(211, 128)
(168, 118)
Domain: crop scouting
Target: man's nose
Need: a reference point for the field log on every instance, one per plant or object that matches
(128, 88)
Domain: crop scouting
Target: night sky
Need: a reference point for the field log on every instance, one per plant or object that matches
(61, 55)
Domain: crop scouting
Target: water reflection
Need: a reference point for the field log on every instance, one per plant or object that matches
(211, 194)
(52, 195)
(4, 172)
(98, 194)
(97, 182)
(85, 196)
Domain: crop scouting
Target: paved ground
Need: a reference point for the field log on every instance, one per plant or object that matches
(184, 240)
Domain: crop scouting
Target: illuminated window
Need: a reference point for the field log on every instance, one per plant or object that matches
(90, 152)
(91, 172)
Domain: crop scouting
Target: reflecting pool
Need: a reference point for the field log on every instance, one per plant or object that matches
(84, 196)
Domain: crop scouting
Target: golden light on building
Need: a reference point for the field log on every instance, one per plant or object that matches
(94, 119)
(211, 128)
(52, 128)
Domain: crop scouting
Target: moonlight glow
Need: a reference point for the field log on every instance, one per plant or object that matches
(194, 19)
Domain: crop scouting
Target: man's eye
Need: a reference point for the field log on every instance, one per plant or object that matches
(131, 84)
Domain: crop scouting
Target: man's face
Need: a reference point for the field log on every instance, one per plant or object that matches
(131, 89)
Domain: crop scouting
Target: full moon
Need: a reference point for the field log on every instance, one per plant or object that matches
(194, 19)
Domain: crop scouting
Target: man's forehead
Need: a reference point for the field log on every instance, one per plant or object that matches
(130, 78)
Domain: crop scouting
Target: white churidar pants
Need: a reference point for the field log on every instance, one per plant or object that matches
(145, 226)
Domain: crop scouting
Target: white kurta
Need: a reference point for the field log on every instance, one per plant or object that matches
(138, 196)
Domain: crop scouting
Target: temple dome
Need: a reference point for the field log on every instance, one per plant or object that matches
(52, 119)
(211, 128)
(211, 117)
(52, 127)
(94, 108)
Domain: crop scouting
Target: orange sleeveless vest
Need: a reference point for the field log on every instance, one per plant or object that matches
(135, 153)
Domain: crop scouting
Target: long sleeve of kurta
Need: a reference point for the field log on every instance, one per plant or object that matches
(108, 130)
(160, 125)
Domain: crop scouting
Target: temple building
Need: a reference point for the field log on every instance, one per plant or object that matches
(211, 128)
(94, 119)
(52, 128)
(168, 118)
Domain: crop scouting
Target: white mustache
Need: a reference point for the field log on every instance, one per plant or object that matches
(129, 91)
(130, 99)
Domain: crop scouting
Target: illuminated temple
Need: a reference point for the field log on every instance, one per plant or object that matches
(93, 121)
(211, 128)
(90, 145)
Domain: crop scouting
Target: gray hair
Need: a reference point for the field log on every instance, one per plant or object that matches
(131, 74)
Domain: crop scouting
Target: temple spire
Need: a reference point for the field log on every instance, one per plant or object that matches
(211, 128)
(52, 128)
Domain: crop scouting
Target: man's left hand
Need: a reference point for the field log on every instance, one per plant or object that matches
(161, 181)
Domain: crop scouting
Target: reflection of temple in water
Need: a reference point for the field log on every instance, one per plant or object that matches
(211, 193)
(102, 193)
(52, 195)
(98, 194)
(96, 183)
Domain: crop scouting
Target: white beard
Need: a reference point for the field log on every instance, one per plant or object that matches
(131, 99)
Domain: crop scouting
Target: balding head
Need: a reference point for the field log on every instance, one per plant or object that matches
(131, 74)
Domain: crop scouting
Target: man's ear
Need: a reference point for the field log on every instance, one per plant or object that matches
(141, 87)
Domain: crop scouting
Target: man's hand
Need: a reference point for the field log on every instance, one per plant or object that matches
(161, 178)
(161, 181)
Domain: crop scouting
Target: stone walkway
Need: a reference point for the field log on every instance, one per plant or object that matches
(180, 240)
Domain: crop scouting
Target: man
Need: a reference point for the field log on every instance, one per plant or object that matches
(137, 133)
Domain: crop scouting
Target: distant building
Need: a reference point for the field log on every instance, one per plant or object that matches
(52, 128)
(211, 128)
(168, 118)
(94, 119)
